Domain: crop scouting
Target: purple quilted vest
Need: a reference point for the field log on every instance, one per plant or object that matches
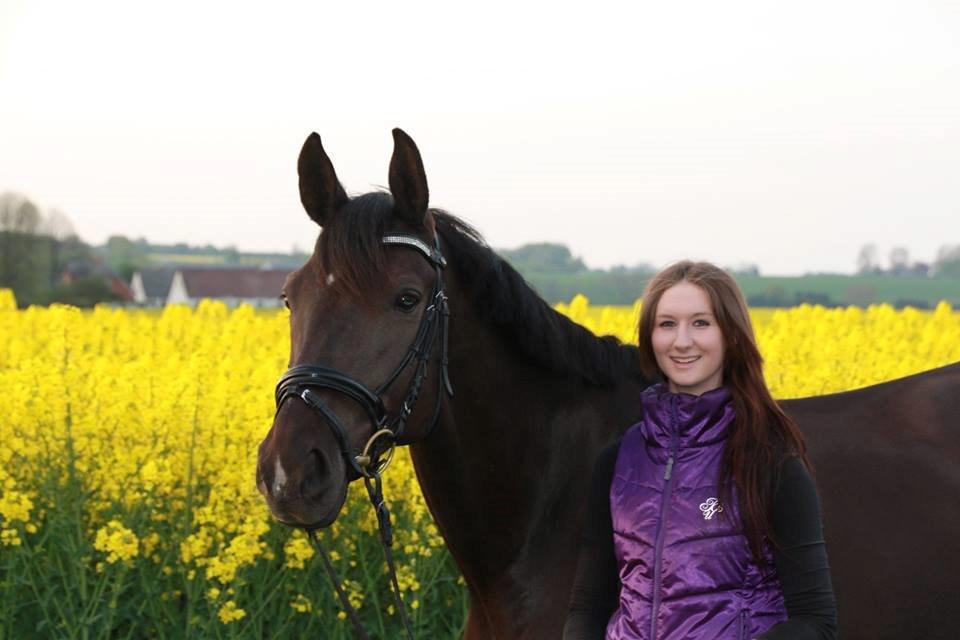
(686, 570)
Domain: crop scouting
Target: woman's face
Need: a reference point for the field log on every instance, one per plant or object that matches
(686, 340)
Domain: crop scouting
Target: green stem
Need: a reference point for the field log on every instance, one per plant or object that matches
(112, 606)
(56, 604)
(264, 601)
(371, 584)
(91, 606)
(188, 515)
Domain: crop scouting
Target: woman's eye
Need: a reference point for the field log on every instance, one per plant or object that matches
(666, 324)
(407, 301)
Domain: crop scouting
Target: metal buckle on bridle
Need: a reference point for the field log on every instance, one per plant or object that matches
(371, 462)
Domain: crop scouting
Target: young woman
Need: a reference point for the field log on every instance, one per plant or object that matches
(702, 522)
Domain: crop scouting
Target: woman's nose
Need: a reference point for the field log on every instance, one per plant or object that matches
(684, 339)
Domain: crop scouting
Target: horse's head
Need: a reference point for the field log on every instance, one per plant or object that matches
(367, 326)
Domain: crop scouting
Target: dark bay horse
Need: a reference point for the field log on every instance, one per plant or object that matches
(505, 465)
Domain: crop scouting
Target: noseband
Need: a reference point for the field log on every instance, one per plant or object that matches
(303, 380)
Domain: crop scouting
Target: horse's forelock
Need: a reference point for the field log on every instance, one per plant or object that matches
(352, 256)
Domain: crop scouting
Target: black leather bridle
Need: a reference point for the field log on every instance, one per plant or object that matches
(301, 381)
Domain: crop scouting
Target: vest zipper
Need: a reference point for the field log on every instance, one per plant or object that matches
(662, 525)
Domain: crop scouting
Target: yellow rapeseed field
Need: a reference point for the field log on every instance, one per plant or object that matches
(127, 450)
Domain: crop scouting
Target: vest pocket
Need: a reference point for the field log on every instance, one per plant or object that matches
(744, 631)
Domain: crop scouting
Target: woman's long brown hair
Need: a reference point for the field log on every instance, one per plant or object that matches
(762, 434)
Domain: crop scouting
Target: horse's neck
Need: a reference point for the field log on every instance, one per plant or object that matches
(506, 470)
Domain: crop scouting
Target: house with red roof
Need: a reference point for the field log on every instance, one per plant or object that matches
(231, 285)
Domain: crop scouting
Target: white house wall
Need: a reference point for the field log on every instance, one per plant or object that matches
(136, 286)
(178, 291)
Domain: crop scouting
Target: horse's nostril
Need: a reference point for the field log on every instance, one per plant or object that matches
(315, 475)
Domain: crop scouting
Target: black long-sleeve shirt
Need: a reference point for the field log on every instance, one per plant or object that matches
(800, 557)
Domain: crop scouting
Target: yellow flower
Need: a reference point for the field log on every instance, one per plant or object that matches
(354, 593)
(407, 578)
(297, 551)
(118, 542)
(15, 505)
(230, 612)
(150, 543)
(301, 604)
(8, 302)
(10, 538)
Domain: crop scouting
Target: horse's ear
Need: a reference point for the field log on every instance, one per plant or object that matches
(320, 191)
(408, 180)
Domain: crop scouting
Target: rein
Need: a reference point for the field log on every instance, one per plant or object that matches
(369, 463)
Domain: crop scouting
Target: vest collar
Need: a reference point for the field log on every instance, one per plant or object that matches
(686, 420)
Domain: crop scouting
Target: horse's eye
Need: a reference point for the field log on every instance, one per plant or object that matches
(286, 302)
(407, 301)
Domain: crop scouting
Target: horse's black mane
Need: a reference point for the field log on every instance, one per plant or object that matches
(351, 247)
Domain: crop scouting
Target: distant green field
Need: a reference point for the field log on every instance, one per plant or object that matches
(784, 291)
(222, 259)
(185, 258)
(860, 290)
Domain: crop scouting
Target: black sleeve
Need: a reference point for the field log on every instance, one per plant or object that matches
(596, 587)
(800, 554)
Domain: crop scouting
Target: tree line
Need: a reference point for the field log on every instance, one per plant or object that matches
(946, 264)
(43, 260)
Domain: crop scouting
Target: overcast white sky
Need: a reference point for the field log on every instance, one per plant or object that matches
(782, 134)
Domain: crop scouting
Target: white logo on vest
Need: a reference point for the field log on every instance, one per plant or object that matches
(711, 507)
